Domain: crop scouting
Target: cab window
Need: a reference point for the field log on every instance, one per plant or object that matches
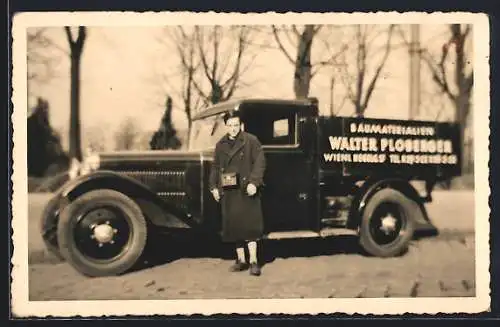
(273, 127)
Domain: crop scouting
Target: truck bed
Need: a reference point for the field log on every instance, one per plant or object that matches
(415, 149)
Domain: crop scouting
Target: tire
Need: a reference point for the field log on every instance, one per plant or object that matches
(85, 250)
(48, 228)
(387, 242)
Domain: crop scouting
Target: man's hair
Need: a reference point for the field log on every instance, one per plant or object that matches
(231, 114)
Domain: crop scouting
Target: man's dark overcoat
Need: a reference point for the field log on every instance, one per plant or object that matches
(241, 214)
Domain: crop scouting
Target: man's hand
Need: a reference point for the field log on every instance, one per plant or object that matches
(215, 193)
(251, 189)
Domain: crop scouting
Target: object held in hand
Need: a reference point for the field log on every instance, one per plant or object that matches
(229, 180)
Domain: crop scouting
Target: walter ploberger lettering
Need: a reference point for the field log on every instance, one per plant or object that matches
(415, 145)
(408, 151)
(370, 144)
(343, 143)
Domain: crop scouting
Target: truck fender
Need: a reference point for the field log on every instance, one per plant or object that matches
(371, 186)
(157, 211)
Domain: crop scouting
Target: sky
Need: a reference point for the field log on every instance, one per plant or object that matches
(120, 64)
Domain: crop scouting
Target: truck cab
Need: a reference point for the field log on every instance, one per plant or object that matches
(325, 176)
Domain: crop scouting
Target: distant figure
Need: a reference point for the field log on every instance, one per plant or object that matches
(236, 175)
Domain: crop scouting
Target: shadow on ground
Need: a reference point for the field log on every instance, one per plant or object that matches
(162, 249)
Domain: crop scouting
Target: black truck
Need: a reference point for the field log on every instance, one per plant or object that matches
(325, 176)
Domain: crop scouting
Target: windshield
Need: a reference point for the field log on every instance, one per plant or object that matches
(205, 133)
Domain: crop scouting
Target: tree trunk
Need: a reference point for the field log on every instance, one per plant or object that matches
(462, 105)
(216, 95)
(462, 99)
(76, 47)
(75, 150)
(332, 96)
(302, 77)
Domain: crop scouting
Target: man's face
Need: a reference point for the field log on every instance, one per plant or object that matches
(233, 125)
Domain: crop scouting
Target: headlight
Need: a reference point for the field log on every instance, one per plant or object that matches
(90, 164)
(74, 169)
(93, 161)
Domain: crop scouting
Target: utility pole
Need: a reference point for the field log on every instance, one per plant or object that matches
(332, 98)
(414, 71)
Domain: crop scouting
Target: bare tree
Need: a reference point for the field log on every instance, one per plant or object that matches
(300, 40)
(361, 81)
(334, 107)
(184, 43)
(222, 68)
(459, 89)
(76, 50)
(126, 135)
(212, 63)
(40, 64)
(455, 83)
(42, 57)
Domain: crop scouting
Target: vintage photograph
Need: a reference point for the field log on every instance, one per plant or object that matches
(230, 163)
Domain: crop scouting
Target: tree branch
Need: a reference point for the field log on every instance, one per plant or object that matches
(442, 83)
(206, 69)
(82, 34)
(360, 66)
(374, 80)
(241, 47)
(215, 60)
(317, 29)
(344, 76)
(282, 48)
(469, 83)
(466, 32)
(200, 91)
(232, 80)
(332, 61)
(68, 35)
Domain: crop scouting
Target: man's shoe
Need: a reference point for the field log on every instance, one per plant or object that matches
(239, 266)
(254, 269)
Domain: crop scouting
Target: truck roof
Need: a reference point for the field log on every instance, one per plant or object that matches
(237, 103)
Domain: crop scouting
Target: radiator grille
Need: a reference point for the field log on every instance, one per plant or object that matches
(161, 182)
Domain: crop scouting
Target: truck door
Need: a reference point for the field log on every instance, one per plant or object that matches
(289, 198)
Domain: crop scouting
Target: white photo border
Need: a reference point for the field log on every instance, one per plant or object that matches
(22, 307)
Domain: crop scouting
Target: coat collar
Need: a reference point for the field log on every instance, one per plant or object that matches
(239, 143)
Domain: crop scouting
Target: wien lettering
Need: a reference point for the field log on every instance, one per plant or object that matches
(355, 157)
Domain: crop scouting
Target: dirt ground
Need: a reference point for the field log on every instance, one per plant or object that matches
(441, 265)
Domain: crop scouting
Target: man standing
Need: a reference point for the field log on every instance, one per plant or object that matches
(235, 179)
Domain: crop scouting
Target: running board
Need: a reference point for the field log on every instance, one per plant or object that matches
(325, 232)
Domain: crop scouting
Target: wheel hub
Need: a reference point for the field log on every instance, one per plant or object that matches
(388, 224)
(103, 233)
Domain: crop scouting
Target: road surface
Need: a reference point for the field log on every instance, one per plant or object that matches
(436, 266)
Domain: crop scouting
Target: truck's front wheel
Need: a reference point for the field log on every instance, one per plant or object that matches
(101, 233)
(387, 223)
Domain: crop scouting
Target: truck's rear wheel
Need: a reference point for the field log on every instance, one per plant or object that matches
(102, 233)
(387, 223)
